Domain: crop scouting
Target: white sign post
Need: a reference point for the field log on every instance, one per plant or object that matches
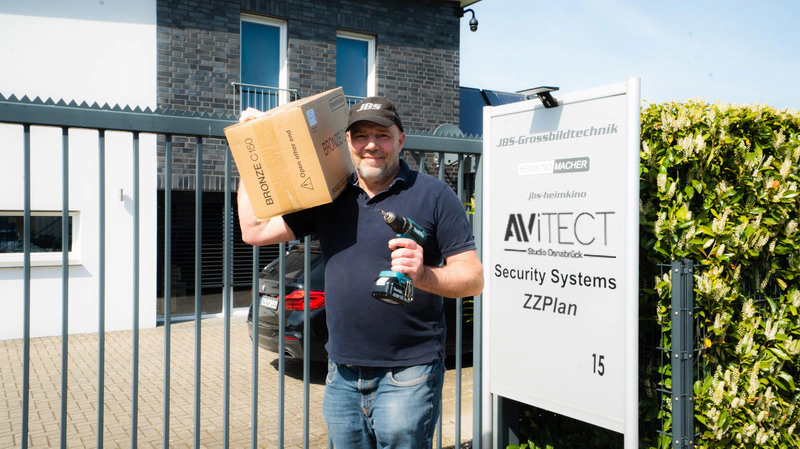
(561, 255)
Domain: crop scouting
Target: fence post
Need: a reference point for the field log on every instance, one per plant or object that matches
(682, 351)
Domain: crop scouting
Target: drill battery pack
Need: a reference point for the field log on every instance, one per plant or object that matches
(393, 288)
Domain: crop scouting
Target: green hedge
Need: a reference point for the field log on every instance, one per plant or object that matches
(719, 186)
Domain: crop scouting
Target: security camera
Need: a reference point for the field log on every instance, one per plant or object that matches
(473, 24)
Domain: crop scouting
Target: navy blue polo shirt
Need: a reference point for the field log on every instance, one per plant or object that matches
(354, 238)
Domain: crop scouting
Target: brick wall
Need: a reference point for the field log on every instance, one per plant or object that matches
(417, 45)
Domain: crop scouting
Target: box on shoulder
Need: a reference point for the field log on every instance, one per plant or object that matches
(295, 156)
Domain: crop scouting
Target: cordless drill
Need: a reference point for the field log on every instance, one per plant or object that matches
(392, 287)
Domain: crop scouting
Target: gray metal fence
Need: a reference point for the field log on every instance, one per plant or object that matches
(24, 429)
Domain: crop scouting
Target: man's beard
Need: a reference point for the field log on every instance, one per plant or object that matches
(377, 175)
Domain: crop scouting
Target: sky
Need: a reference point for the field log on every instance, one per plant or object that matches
(734, 51)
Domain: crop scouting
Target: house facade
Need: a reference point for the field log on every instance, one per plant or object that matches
(210, 57)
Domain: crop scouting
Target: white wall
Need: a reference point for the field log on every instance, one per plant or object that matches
(93, 51)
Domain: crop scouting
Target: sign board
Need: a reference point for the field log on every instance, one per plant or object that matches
(561, 254)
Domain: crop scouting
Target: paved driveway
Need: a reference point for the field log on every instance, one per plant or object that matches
(45, 390)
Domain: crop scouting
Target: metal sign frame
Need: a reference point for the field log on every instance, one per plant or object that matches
(561, 257)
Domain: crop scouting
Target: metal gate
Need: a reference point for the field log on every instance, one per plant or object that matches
(194, 383)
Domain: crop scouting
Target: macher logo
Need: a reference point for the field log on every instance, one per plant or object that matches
(572, 165)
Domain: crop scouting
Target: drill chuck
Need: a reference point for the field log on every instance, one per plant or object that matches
(404, 227)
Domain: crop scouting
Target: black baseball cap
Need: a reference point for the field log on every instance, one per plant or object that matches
(377, 110)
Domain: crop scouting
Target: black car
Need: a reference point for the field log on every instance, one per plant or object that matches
(296, 284)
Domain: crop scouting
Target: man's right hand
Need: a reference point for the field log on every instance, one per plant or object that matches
(250, 114)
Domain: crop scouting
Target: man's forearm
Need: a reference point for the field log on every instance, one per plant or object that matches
(260, 232)
(462, 276)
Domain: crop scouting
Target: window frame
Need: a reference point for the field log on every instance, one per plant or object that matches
(371, 66)
(283, 59)
(49, 258)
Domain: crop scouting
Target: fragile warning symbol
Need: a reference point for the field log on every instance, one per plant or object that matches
(307, 184)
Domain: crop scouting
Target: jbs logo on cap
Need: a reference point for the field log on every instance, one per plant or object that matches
(369, 106)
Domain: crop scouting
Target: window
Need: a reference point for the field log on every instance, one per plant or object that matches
(355, 65)
(263, 63)
(46, 238)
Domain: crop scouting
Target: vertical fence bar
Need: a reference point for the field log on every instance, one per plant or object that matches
(26, 274)
(281, 339)
(459, 322)
(254, 304)
(226, 301)
(440, 423)
(136, 253)
(101, 287)
(306, 339)
(167, 279)
(477, 307)
(198, 269)
(65, 241)
(682, 354)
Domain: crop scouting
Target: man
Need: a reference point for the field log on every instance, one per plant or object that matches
(386, 368)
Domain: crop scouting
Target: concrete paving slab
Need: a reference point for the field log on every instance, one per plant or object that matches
(44, 416)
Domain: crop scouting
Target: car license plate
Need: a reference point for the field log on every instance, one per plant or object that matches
(269, 302)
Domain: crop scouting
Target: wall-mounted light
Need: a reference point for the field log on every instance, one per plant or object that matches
(543, 93)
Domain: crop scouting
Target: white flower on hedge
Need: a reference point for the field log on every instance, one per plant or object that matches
(791, 227)
(767, 278)
(745, 345)
(792, 346)
(794, 297)
(718, 224)
(719, 392)
(713, 417)
(786, 166)
(750, 430)
(768, 397)
(736, 237)
(752, 387)
(671, 191)
(661, 181)
(659, 224)
(748, 310)
(770, 329)
(780, 137)
(687, 145)
(721, 188)
(762, 437)
(671, 123)
(699, 143)
(719, 320)
(759, 241)
(704, 283)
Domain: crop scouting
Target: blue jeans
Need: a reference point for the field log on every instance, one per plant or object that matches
(397, 408)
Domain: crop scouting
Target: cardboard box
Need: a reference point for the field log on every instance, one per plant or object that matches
(296, 156)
